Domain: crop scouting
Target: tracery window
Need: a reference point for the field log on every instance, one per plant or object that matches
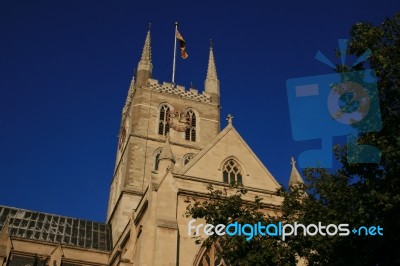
(232, 172)
(211, 256)
(163, 126)
(190, 133)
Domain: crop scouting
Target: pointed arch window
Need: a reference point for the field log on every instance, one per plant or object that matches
(232, 172)
(211, 256)
(191, 120)
(163, 126)
(156, 158)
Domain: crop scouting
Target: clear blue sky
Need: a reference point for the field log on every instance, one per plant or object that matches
(65, 68)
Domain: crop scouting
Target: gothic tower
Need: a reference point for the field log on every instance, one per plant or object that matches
(171, 147)
(152, 113)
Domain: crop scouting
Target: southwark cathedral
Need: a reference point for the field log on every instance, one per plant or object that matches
(172, 145)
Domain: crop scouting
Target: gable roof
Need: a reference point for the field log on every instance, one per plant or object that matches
(229, 144)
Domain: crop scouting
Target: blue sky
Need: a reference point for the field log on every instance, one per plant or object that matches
(65, 68)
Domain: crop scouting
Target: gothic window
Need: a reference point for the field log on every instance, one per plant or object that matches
(211, 256)
(190, 133)
(156, 158)
(163, 126)
(187, 158)
(232, 172)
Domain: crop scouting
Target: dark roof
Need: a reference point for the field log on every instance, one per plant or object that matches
(56, 229)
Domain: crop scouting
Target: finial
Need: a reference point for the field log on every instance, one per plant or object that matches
(146, 54)
(145, 67)
(292, 161)
(229, 118)
(295, 177)
(149, 26)
(211, 70)
(211, 84)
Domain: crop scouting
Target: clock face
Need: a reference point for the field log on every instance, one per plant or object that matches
(178, 121)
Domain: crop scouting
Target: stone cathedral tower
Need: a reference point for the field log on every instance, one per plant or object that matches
(154, 113)
(170, 147)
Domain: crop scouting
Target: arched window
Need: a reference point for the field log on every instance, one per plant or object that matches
(163, 126)
(187, 157)
(211, 256)
(190, 133)
(156, 158)
(232, 173)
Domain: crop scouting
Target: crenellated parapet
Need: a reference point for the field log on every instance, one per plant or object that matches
(166, 87)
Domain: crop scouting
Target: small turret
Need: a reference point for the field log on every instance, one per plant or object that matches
(167, 158)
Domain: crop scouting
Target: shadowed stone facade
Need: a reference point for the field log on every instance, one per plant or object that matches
(170, 147)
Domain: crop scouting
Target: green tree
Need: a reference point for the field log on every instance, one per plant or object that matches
(357, 194)
(361, 194)
(378, 185)
(225, 206)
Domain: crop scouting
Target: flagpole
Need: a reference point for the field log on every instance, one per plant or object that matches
(173, 65)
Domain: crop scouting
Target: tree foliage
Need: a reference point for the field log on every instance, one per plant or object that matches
(356, 194)
(225, 206)
(377, 186)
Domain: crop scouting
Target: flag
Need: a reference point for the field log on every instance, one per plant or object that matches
(182, 45)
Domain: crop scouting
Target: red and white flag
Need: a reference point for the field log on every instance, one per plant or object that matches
(182, 45)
